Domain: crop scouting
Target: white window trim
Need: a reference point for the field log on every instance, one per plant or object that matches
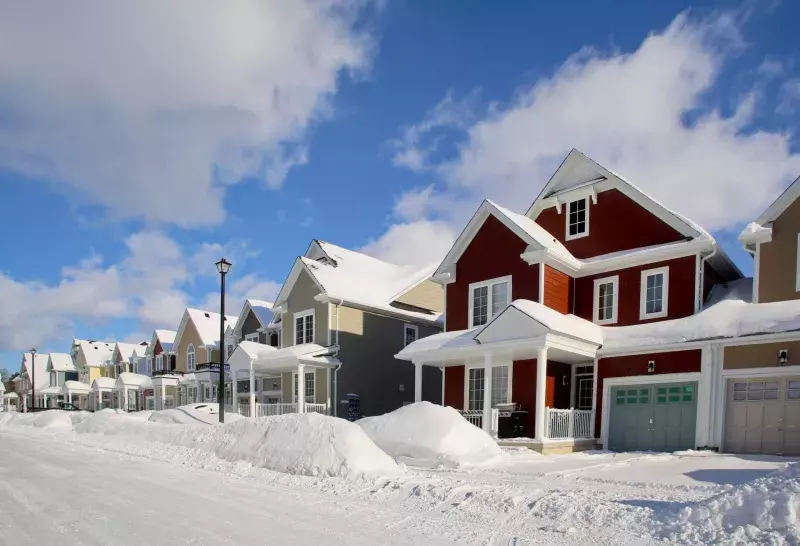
(406, 328)
(615, 300)
(252, 337)
(303, 314)
(797, 267)
(469, 367)
(190, 350)
(569, 237)
(643, 315)
(159, 362)
(294, 380)
(488, 284)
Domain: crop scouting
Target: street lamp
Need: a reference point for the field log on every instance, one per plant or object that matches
(33, 378)
(223, 266)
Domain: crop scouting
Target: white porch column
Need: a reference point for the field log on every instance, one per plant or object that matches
(70, 397)
(301, 388)
(594, 397)
(441, 369)
(541, 387)
(44, 400)
(417, 381)
(252, 391)
(163, 397)
(99, 401)
(124, 398)
(235, 391)
(487, 393)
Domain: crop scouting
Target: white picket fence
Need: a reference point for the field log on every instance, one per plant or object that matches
(568, 423)
(476, 418)
(271, 410)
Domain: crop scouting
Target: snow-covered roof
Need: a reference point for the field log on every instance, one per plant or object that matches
(266, 358)
(42, 377)
(127, 379)
(11, 395)
(61, 362)
(165, 337)
(125, 350)
(206, 323)
(255, 350)
(101, 383)
(740, 289)
(454, 339)
(49, 390)
(261, 309)
(140, 351)
(789, 195)
(97, 353)
(76, 386)
(358, 279)
(570, 325)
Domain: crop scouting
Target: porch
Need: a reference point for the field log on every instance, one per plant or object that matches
(526, 378)
(77, 393)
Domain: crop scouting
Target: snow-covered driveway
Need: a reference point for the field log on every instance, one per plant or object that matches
(61, 488)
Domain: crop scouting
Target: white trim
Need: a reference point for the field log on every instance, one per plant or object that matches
(294, 379)
(614, 280)
(611, 382)
(643, 315)
(756, 272)
(190, 350)
(503, 361)
(797, 267)
(407, 327)
(488, 284)
(251, 337)
(754, 373)
(699, 267)
(541, 282)
(585, 232)
(303, 314)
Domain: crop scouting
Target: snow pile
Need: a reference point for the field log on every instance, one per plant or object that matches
(55, 419)
(763, 511)
(431, 435)
(193, 414)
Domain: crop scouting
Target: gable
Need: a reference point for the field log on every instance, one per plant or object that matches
(511, 324)
(616, 223)
(251, 323)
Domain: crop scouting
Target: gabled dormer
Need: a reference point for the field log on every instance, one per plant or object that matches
(774, 242)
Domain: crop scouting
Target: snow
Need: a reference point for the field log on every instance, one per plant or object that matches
(125, 479)
(262, 310)
(426, 434)
(207, 324)
(134, 379)
(126, 350)
(362, 279)
(740, 289)
(454, 339)
(166, 338)
(42, 377)
(61, 362)
(103, 383)
(78, 387)
(570, 325)
(534, 231)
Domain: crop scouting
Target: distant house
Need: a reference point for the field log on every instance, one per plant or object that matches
(33, 368)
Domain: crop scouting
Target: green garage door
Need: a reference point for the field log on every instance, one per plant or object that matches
(653, 417)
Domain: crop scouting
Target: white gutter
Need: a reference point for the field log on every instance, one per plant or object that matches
(325, 298)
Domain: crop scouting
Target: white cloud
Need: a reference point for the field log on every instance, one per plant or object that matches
(151, 285)
(140, 106)
(248, 286)
(417, 243)
(628, 111)
(789, 97)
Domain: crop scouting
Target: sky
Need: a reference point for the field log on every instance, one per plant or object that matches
(140, 144)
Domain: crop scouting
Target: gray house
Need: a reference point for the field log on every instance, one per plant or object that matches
(365, 310)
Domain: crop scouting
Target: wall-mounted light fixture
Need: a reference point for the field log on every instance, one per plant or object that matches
(564, 380)
(783, 357)
(651, 366)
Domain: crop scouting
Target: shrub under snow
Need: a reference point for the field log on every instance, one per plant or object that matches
(430, 435)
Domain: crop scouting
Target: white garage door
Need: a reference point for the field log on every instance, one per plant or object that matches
(763, 416)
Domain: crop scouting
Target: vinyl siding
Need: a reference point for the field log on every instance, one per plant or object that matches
(301, 299)
(428, 295)
(189, 336)
(764, 355)
(778, 259)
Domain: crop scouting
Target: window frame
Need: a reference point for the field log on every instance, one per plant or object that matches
(488, 284)
(406, 328)
(614, 280)
(476, 365)
(643, 314)
(303, 315)
(191, 351)
(310, 399)
(159, 362)
(252, 337)
(585, 233)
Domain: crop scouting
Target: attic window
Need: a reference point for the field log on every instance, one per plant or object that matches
(327, 261)
(578, 219)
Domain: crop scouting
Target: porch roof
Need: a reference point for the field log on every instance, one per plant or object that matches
(518, 330)
(75, 386)
(263, 358)
(49, 390)
(11, 395)
(102, 383)
(127, 379)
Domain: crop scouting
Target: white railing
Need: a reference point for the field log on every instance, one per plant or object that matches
(316, 408)
(476, 418)
(244, 410)
(269, 410)
(568, 423)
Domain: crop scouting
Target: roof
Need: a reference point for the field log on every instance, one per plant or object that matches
(780, 204)
(49, 390)
(207, 324)
(261, 309)
(126, 350)
(102, 383)
(134, 379)
(165, 337)
(570, 325)
(358, 279)
(42, 377)
(76, 386)
(97, 353)
(265, 358)
(61, 362)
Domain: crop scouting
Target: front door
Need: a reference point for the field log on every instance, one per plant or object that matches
(659, 417)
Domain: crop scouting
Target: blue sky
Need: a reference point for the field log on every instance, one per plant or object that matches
(131, 158)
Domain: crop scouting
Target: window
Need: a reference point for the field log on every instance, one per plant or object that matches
(190, 362)
(475, 389)
(499, 385)
(304, 327)
(252, 337)
(578, 219)
(585, 393)
(756, 390)
(411, 333)
(159, 362)
(309, 387)
(793, 390)
(230, 350)
(654, 293)
(488, 299)
(606, 297)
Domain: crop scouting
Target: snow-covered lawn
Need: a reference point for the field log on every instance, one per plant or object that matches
(176, 478)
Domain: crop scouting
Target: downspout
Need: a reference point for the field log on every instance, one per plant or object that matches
(701, 281)
(335, 404)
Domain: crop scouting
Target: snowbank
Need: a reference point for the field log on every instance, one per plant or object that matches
(431, 435)
(193, 414)
(763, 511)
(55, 419)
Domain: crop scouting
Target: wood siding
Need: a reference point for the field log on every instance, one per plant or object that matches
(428, 295)
(616, 223)
(494, 252)
(302, 299)
(762, 355)
(778, 259)
(558, 290)
(627, 366)
(454, 387)
(681, 292)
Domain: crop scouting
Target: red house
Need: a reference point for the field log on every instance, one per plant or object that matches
(529, 297)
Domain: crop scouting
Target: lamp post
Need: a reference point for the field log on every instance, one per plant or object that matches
(33, 378)
(223, 266)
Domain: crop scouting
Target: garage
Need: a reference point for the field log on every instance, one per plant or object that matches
(762, 416)
(658, 417)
